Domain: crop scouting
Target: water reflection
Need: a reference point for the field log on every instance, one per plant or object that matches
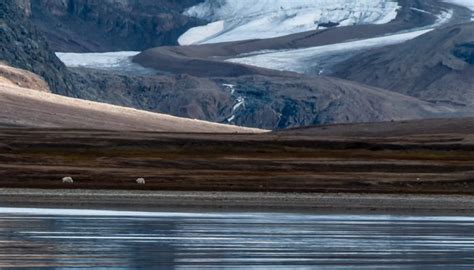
(66, 239)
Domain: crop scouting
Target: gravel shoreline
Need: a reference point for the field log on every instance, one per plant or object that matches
(239, 201)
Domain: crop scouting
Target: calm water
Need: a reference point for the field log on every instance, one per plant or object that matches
(81, 239)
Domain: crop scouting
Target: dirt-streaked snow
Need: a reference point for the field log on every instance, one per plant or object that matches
(233, 20)
(465, 3)
(312, 60)
(296, 60)
(111, 61)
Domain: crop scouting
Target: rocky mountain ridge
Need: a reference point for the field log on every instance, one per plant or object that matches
(110, 25)
(23, 46)
(268, 102)
(437, 67)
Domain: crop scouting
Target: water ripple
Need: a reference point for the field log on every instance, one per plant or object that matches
(72, 239)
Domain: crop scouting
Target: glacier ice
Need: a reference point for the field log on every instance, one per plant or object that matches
(299, 60)
(95, 60)
(108, 61)
(208, 30)
(465, 3)
(311, 60)
(232, 20)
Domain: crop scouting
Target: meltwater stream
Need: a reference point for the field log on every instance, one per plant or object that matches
(83, 239)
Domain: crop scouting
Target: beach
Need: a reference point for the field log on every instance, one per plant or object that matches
(239, 201)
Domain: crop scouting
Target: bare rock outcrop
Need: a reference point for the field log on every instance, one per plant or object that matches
(436, 67)
(23, 46)
(111, 25)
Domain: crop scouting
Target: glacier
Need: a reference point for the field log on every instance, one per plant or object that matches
(119, 62)
(465, 3)
(306, 60)
(234, 20)
(317, 60)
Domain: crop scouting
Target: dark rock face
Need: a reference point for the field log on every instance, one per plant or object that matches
(437, 67)
(178, 95)
(253, 101)
(22, 46)
(465, 52)
(111, 25)
(284, 102)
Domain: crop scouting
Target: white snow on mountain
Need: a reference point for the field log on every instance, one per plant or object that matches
(316, 59)
(238, 105)
(95, 60)
(199, 32)
(465, 3)
(232, 20)
(109, 61)
(299, 60)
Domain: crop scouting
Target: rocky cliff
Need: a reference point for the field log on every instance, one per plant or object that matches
(253, 101)
(23, 46)
(110, 25)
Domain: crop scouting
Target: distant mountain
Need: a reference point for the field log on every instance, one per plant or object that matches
(436, 67)
(269, 102)
(198, 82)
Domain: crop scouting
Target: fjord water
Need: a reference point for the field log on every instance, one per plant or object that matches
(84, 239)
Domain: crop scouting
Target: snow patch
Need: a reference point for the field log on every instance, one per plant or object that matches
(231, 87)
(232, 118)
(420, 10)
(200, 33)
(109, 61)
(233, 20)
(239, 102)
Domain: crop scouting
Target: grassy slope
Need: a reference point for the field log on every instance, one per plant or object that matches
(430, 163)
(32, 108)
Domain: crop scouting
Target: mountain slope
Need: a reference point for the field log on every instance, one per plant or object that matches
(269, 102)
(438, 66)
(282, 102)
(440, 127)
(23, 46)
(22, 78)
(33, 108)
(111, 25)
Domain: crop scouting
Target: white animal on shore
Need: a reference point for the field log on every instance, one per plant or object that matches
(141, 181)
(68, 180)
